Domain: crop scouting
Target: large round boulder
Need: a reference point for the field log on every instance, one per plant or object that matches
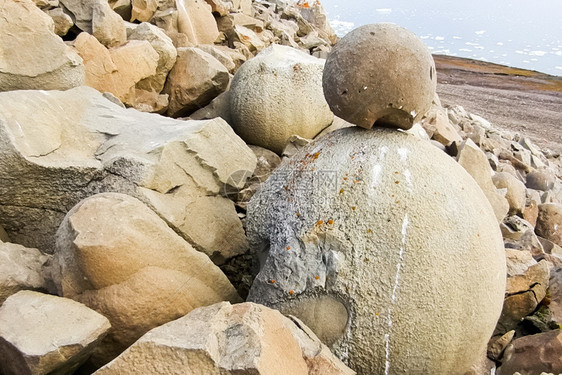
(385, 247)
(380, 73)
(278, 94)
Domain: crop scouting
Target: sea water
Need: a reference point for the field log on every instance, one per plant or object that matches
(518, 33)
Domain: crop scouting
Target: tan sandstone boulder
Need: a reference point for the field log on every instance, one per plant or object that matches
(516, 191)
(196, 78)
(195, 19)
(32, 55)
(117, 70)
(239, 339)
(69, 145)
(118, 257)
(475, 162)
(43, 334)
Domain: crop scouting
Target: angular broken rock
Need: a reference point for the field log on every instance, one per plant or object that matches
(357, 231)
(516, 191)
(33, 56)
(117, 70)
(167, 53)
(230, 339)
(535, 354)
(523, 293)
(118, 257)
(549, 222)
(475, 162)
(276, 95)
(195, 80)
(21, 268)
(195, 19)
(44, 334)
(380, 73)
(143, 10)
(107, 26)
(57, 148)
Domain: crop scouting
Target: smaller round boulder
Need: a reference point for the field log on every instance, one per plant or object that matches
(278, 94)
(380, 73)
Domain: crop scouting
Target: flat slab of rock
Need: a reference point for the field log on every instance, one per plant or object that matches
(33, 56)
(229, 339)
(43, 334)
(535, 354)
(21, 268)
(57, 148)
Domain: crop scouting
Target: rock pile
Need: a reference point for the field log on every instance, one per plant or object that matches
(388, 244)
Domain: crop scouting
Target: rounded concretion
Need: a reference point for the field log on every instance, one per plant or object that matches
(380, 73)
(385, 247)
(278, 94)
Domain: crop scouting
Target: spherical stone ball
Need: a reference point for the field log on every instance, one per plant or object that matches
(277, 94)
(380, 74)
(385, 247)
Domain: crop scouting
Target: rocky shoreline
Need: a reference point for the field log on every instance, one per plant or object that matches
(178, 196)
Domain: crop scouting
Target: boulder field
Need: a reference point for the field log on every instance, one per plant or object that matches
(224, 187)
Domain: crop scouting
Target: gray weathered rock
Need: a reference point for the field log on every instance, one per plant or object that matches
(549, 222)
(196, 78)
(358, 230)
(230, 339)
(119, 258)
(535, 354)
(43, 334)
(540, 180)
(21, 268)
(62, 21)
(278, 94)
(33, 56)
(380, 72)
(63, 153)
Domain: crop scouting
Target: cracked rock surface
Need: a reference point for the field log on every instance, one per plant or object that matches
(55, 151)
(353, 234)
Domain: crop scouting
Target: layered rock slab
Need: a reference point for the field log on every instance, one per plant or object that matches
(229, 339)
(57, 148)
(43, 334)
(385, 247)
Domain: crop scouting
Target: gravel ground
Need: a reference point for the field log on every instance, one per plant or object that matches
(508, 101)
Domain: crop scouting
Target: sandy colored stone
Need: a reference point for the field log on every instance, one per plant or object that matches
(380, 72)
(496, 346)
(220, 55)
(143, 10)
(21, 268)
(64, 153)
(535, 354)
(220, 7)
(474, 161)
(196, 20)
(119, 69)
(276, 95)
(118, 257)
(44, 334)
(107, 26)
(516, 191)
(167, 54)
(362, 236)
(33, 56)
(549, 222)
(223, 338)
(195, 80)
